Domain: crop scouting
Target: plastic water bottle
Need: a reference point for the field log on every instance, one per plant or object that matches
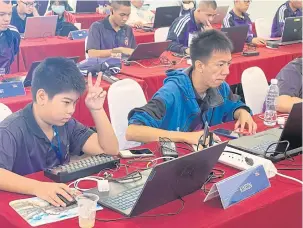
(270, 115)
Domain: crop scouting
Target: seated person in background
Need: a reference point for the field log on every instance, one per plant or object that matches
(105, 7)
(24, 9)
(238, 16)
(9, 37)
(58, 7)
(290, 85)
(197, 20)
(111, 36)
(189, 98)
(44, 134)
(139, 15)
(291, 8)
(187, 6)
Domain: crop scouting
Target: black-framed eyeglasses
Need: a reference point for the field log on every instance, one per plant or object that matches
(30, 4)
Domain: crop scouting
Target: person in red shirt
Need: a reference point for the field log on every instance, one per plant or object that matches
(59, 8)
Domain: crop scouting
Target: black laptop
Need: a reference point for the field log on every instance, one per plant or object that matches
(27, 79)
(292, 32)
(289, 139)
(237, 35)
(148, 51)
(161, 184)
(165, 16)
(86, 6)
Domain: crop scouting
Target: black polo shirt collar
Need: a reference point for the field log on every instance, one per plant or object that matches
(108, 25)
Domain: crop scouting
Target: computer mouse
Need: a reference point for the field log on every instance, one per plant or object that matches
(66, 201)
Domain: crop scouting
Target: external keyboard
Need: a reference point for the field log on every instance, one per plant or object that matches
(124, 200)
(81, 168)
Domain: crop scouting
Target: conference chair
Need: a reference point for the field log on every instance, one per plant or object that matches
(4, 112)
(255, 88)
(123, 96)
(161, 34)
(263, 27)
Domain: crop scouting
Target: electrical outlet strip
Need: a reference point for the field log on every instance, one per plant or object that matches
(246, 161)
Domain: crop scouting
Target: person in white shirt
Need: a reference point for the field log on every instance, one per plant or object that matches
(140, 15)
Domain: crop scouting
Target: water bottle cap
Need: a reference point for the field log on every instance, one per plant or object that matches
(274, 81)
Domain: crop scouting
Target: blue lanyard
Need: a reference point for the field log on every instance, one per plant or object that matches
(57, 150)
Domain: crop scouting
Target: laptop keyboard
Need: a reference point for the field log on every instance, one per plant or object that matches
(124, 200)
(261, 148)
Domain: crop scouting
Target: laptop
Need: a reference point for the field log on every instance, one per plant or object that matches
(148, 51)
(292, 32)
(257, 144)
(86, 6)
(237, 35)
(39, 27)
(161, 184)
(221, 13)
(164, 17)
(27, 79)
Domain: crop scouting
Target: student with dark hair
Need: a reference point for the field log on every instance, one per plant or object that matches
(59, 7)
(196, 21)
(238, 17)
(290, 85)
(111, 36)
(44, 134)
(189, 98)
(9, 37)
(23, 10)
(291, 8)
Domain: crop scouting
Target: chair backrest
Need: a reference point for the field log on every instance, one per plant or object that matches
(255, 88)
(123, 96)
(263, 27)
(85, 45)
(4, 112)
(161, 34)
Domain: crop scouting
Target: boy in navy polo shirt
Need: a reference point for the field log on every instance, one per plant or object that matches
(24, 9)
(44, 134)
(292, 8)
(111, 35)
(183, 27)
(9, 37)
(238, 16)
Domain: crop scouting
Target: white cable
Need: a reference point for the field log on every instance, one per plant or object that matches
(288, 177)
(89, 178)
(154, 161)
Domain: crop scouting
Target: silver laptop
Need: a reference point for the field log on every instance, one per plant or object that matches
(39, 27)
(273, 143)
(292, 32)
(221, 13)
(161, 184)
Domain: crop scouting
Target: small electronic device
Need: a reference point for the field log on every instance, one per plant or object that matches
(227, 133)
(81, 168)
(66, 201)
(250, 53)
(133, 153)
(110, 79)
(168, 149)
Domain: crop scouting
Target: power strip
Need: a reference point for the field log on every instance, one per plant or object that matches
(246, 161)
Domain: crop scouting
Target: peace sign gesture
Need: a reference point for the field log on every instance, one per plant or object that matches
(96, 95)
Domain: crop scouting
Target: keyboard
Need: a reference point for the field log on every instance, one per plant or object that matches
(261, 148)
(81, 168)
(124, 200)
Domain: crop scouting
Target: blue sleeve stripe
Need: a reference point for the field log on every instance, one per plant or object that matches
(226, 21)
(180, 25)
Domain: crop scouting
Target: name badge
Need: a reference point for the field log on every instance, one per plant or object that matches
(240, 186)
(11, 89)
